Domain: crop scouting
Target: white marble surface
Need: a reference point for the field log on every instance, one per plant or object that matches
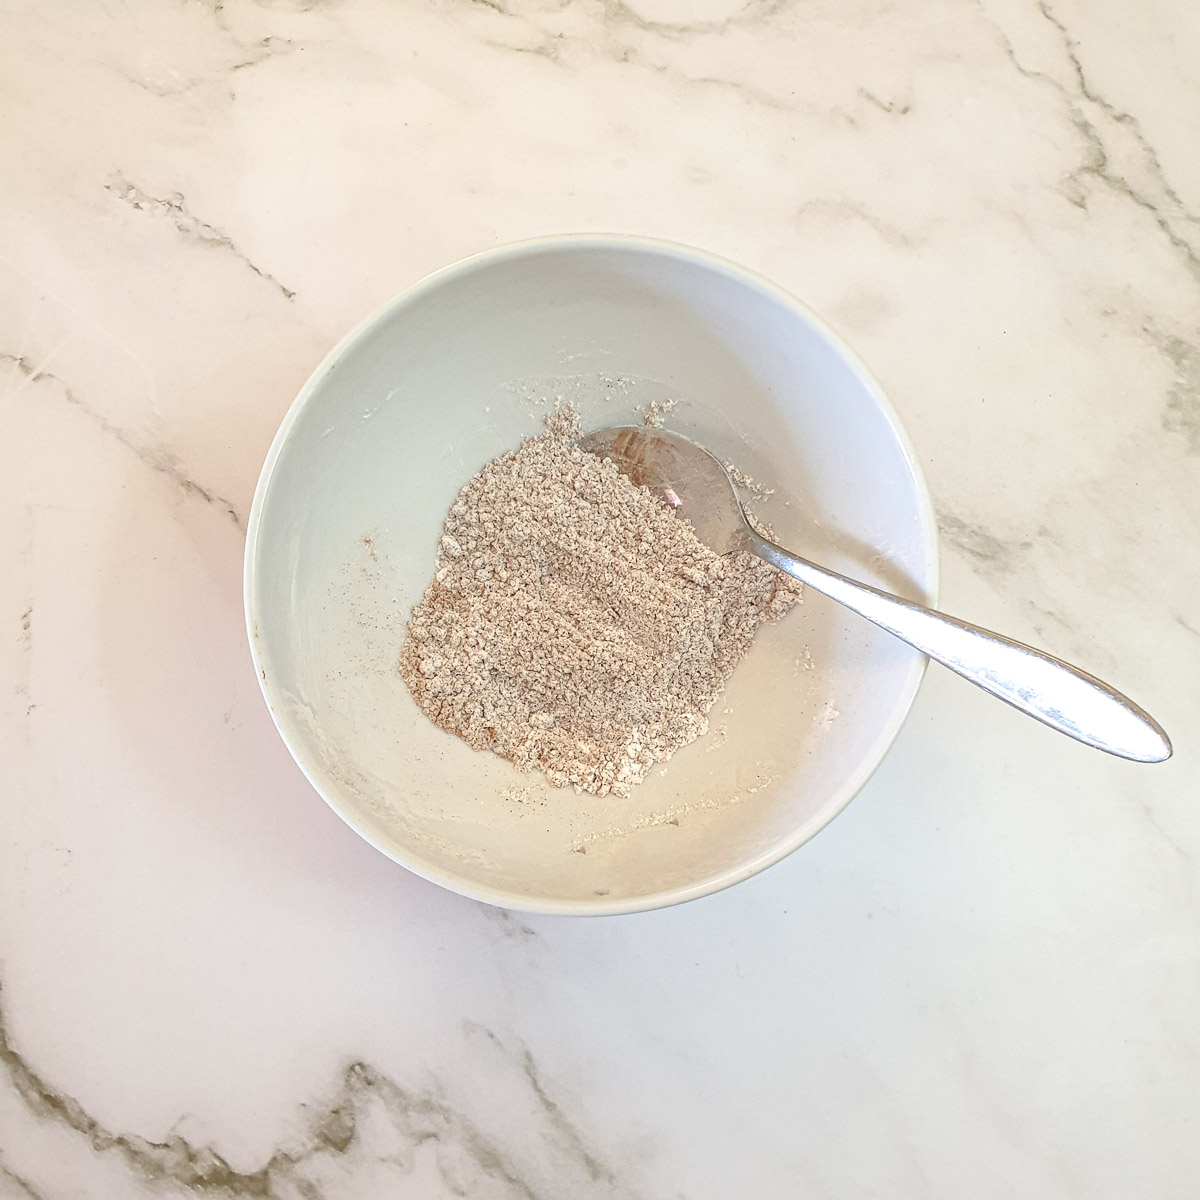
(982, 980)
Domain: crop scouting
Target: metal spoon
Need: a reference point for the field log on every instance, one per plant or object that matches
(698, 487)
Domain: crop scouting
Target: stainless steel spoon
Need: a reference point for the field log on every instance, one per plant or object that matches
(698, 487)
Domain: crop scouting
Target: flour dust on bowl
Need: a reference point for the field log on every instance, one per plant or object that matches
(349, 511)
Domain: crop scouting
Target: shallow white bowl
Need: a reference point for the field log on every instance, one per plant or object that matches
(460, 368)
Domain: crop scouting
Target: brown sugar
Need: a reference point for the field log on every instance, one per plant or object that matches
(574, 624)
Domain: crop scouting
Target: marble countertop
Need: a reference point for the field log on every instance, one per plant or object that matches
(981, 980)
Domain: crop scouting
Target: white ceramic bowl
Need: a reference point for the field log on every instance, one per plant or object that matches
(460, 368)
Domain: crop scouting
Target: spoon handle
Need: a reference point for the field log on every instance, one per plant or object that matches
(1056, 693)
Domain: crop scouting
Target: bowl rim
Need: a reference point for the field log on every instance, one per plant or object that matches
(515, 900)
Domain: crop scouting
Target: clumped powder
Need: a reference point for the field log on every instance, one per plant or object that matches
(574, 624)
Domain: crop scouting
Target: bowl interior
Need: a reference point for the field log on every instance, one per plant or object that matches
(400, 416)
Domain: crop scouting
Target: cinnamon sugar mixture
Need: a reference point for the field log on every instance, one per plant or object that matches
(574, 624)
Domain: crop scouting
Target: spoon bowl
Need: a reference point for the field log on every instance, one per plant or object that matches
(686, 476)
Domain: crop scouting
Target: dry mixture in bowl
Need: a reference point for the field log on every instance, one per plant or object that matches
(574, 623)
